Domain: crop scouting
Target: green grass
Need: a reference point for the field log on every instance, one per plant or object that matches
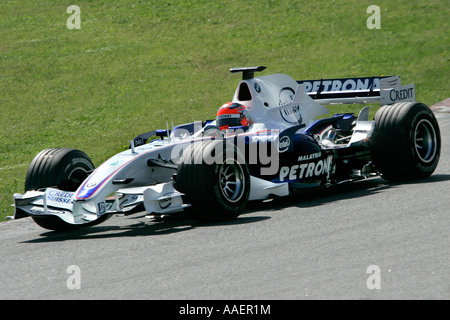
(134, 65)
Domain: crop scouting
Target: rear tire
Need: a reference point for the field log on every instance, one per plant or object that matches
(61, 168)
(217, 190)
(406, 142)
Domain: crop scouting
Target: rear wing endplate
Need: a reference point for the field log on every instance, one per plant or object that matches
(384, 90)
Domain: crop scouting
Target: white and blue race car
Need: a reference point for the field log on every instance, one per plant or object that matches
(266, 143)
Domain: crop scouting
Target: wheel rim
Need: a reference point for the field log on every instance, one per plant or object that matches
(425, 141)
(231, 181)
(75, 179)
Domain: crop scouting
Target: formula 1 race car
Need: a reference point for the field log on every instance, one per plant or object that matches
(268, 142)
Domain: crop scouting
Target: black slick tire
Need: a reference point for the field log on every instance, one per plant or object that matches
(406, 141)
(61, 168)
(215, 179)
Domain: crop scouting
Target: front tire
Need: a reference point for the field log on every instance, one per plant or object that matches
(61, 168)
(215, 179)
(406, 142)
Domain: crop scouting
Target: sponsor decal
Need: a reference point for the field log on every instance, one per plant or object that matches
(234, 115)
(166, 202)
(109, 206)
(348, 84)
(60, 196)
(139, 141)
(91, 184)
(283, 144)
(286, 96)
(402, 94)
(129, 200)
(391, 90)
(291, 114)
(39, 210)
(398, 93)
(101, 207)
(310, 156)
(305, 170)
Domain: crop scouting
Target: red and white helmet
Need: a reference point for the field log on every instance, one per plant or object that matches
(231, 115)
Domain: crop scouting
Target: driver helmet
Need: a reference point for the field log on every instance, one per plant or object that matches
(231, 114)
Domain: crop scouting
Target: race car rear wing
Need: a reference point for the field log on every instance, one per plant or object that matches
(384, 90)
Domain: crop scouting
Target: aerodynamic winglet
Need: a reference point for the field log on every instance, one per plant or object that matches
(247, 72)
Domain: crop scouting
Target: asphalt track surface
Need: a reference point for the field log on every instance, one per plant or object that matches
(318, 246)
